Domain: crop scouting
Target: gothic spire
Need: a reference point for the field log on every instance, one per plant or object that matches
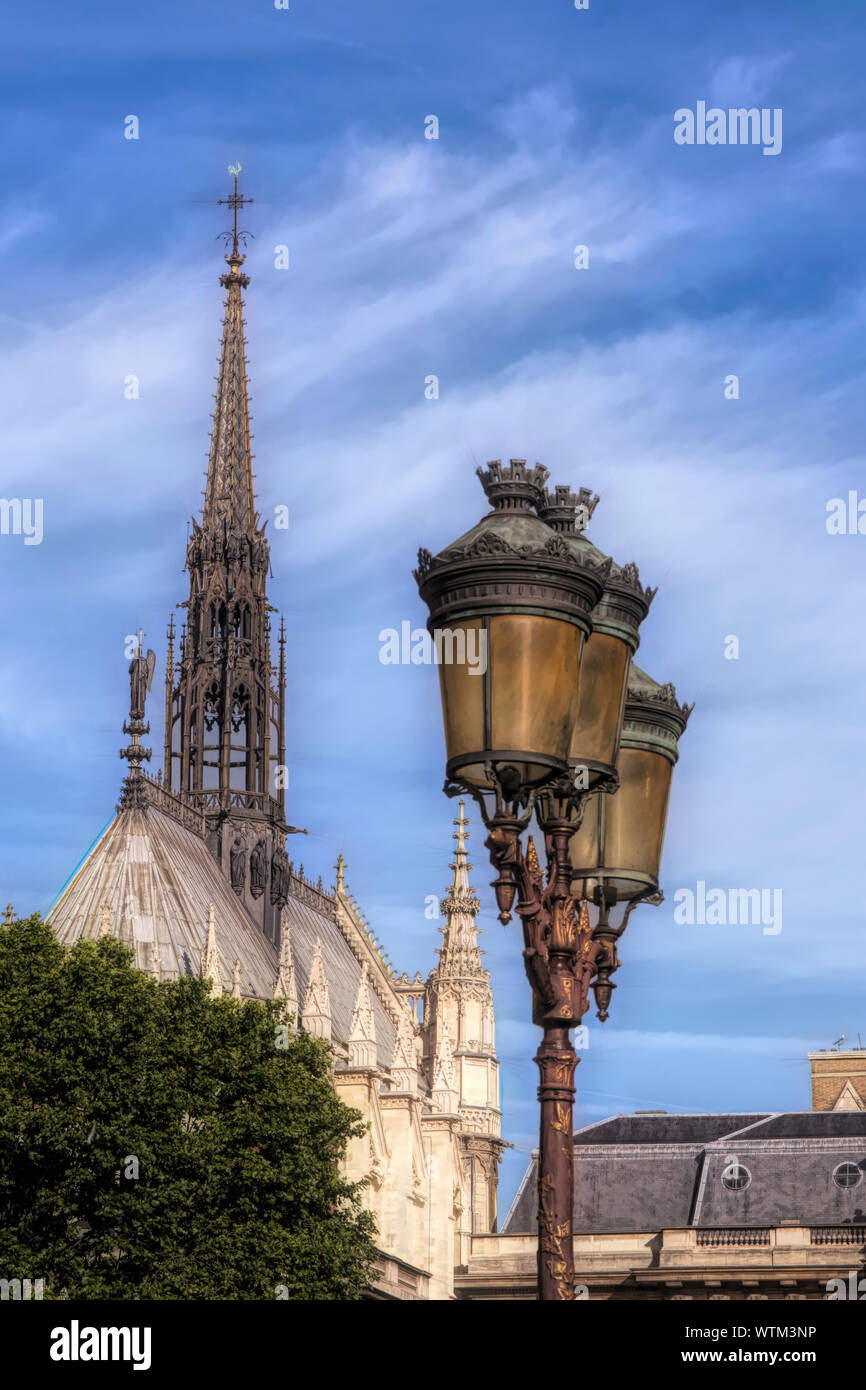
(225, 712)
(286, 987)
(210, 959)
(229, 505)
(362, 1036)
(460, 955)
(316, 1015)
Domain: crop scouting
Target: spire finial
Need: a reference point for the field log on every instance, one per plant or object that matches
(169, 691)
(316, 1012)
(461, 865)
(461, 834)
(362, 1035)
(235, 201)
(141, 670)
(460, 955)
(210, 960)
(10, 913)
(341, 868)
(286, 987)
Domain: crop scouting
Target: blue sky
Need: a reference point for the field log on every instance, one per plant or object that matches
(454, 257)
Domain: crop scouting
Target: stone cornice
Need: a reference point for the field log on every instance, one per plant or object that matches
(438, 1120)
(399, 1100)
(723, 1146)
(375, 1073)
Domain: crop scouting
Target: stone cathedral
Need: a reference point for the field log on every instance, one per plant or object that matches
(194, 874)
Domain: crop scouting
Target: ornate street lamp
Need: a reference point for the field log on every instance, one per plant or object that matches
(513, 591)
(534, 726)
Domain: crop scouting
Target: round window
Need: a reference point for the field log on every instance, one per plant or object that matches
(735, 1177)
(847, 1175)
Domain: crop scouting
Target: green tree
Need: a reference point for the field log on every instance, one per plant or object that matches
(157, 1143)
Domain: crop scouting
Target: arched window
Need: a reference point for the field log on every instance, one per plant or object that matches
(239, 751)
(212, 739)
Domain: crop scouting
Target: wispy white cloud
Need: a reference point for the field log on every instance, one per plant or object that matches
(747, 80)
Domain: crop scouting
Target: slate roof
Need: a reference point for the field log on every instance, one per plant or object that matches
(663, 1129)
(643, 1173)
(159, 878)
(343, 974)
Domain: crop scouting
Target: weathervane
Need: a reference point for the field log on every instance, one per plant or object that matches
(235, 201)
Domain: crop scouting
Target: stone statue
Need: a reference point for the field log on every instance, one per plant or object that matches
(258, 869)
(279, 877)
(238, 858)
(140, 677)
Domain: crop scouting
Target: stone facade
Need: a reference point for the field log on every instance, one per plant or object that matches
(433, 1151)
(778, 1263)
(459, 1025)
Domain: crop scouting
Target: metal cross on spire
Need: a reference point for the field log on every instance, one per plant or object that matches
(235, 201)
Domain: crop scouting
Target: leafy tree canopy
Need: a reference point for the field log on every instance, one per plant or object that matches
(157, 1143)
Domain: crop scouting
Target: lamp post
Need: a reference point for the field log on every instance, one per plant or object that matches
(533, 726)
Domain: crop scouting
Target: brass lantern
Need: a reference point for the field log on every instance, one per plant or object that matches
(616, 853)
(608, 650)
(510, 605)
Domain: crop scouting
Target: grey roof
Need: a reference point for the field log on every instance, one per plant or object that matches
(814, 1124)
(663, 1129)
(159, 878)
(342, 971)
(653, 1172)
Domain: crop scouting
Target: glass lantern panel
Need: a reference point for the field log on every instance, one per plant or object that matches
(534, 690)
(637, 814)
(462, 685)
(603, 682)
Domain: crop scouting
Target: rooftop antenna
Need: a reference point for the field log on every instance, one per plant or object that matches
(838, 1043)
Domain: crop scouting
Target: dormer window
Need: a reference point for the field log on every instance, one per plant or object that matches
(735, 1177)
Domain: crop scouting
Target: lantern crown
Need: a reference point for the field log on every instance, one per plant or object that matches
(513, 487)
(625, 601)
(566, 511)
